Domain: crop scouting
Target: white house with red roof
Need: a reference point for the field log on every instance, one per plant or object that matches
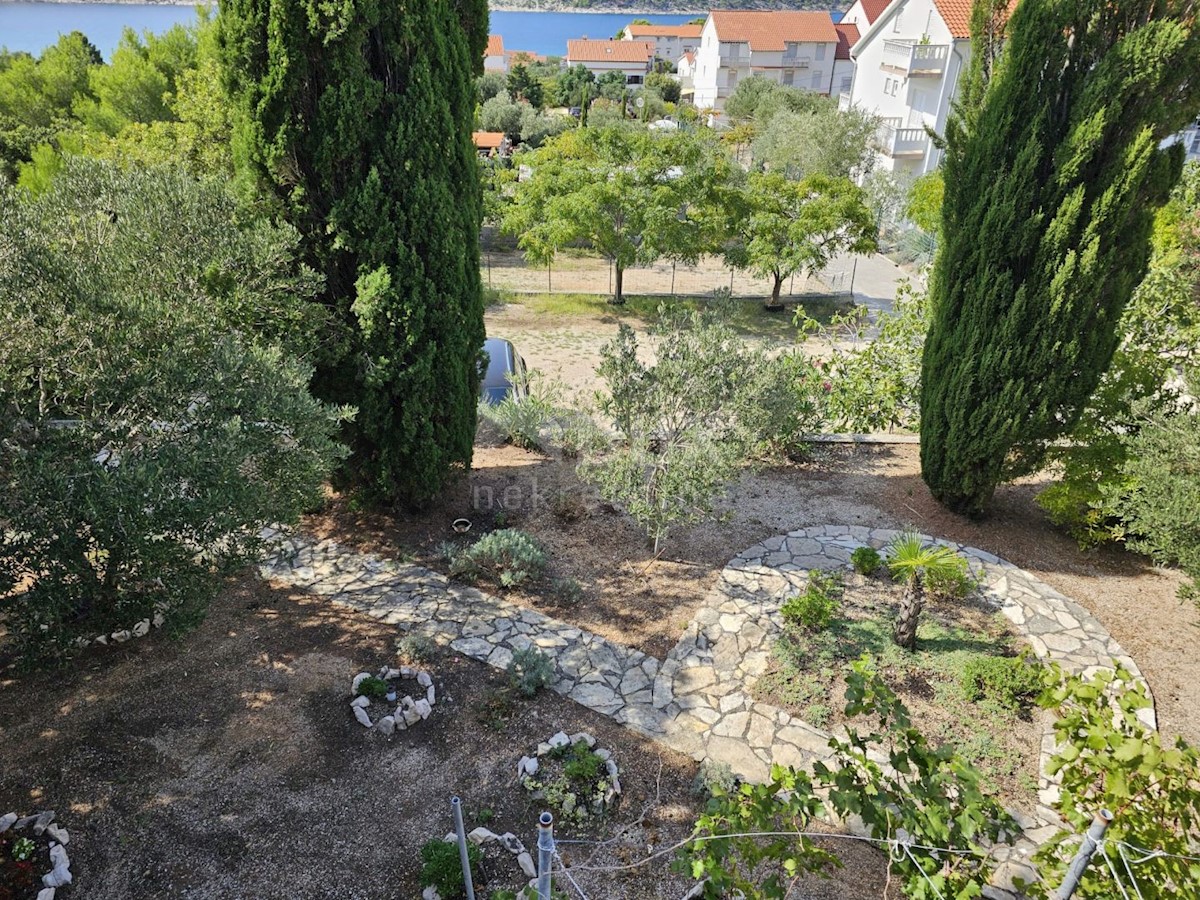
(793, 48)
(494, 59)
(864, 13)
(843, 63)
(670, 41)
(634, 58)
(907, 63)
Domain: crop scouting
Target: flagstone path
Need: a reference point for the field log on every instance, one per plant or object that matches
(696, 700)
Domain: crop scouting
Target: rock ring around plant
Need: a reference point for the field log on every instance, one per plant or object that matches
(573, 775)
(23, 841)
(408, 712)
(482, 838)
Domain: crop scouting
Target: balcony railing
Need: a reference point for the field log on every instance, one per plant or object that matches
(735, 60)
(915, 60)
(901, 143)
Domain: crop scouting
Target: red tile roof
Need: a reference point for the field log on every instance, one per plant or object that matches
(654, 31)
(847, 37)
(519, 57)
(488, 140)
(872, 9)
(769, 31)
(585, 51)
(957, 16)
(495, 45)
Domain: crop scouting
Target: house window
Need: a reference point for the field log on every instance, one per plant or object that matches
(896, 20)
(820, 52)
(816, 81)
(633, 79)
(789, 77)
(887, 86)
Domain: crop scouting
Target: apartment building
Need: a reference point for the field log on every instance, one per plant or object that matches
(907, 63)
(793, 48)
(670, 41)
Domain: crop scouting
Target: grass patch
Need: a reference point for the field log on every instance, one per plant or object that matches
(749, 317)
(807, 677)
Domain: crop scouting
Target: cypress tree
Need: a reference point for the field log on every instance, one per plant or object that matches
(355, 118)
(1053, 172)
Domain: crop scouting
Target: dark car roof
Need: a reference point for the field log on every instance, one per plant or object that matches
(501, 362)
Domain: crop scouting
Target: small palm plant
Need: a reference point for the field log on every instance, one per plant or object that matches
(910, 560)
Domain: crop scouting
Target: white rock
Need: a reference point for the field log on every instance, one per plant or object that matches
(423, 679)
(525, 861)
(360, 702)
(422, 708)
(386, 725)
(604, 753)
(482, 835)
(521, 766)
(42, 822)
(102, 640)
(389, 674)
(430, 893)
(411, 717)
(46, 894)
(6, 822)
(358, 679)
(121, 636)
(363, 718)
(408, 671)
(407, 703)
(611, 768)
(532, 766)
(559, 740)
(61, 873)
(512, 843)
(450, 837)
(59, 834)
(430, 695)
(543, 748)
(157, 620)
(585, 737)
(142, 628)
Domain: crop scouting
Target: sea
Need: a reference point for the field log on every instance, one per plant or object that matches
(34, 26)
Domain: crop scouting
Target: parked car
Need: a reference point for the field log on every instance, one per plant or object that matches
(505, 374)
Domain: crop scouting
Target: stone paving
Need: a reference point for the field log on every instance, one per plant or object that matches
(697, 700)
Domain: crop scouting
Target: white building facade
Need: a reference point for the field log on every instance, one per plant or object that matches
(793, 48)
(670, 41)
(906, 69)
(494, 59)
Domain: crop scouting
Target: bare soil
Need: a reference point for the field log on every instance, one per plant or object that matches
(631, 597)
(226, 764)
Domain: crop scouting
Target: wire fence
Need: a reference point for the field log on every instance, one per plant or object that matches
(1119, 861)
(504, 268)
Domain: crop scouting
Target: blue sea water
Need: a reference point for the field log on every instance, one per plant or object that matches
(34, 26)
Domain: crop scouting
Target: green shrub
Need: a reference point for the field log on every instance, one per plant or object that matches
(441, 867)
(509, 556)
(523, 420)
(714, 779)
(373, 688)
(1012, 682)
(955, 583)
(416, 647)
(814, 608)
(581, 763)
(530, 670)
(866, 560)
(568, 591)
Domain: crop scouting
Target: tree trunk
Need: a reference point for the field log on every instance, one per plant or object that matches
(904, 632)
(775, 304)
(619, 293)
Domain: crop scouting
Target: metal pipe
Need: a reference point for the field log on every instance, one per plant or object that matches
(545, 847)
(1079, 864)
(460, 831)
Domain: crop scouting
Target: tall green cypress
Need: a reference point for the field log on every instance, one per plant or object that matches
(1052, 175)
(355, 116)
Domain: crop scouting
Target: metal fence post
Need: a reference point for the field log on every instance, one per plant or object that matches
(461, 832)
(545, 845)
(1080, 863)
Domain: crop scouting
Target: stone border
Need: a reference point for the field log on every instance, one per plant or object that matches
(408, 713)
(528, 767)
(140, 629)
(695, 702)
(42, 825)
